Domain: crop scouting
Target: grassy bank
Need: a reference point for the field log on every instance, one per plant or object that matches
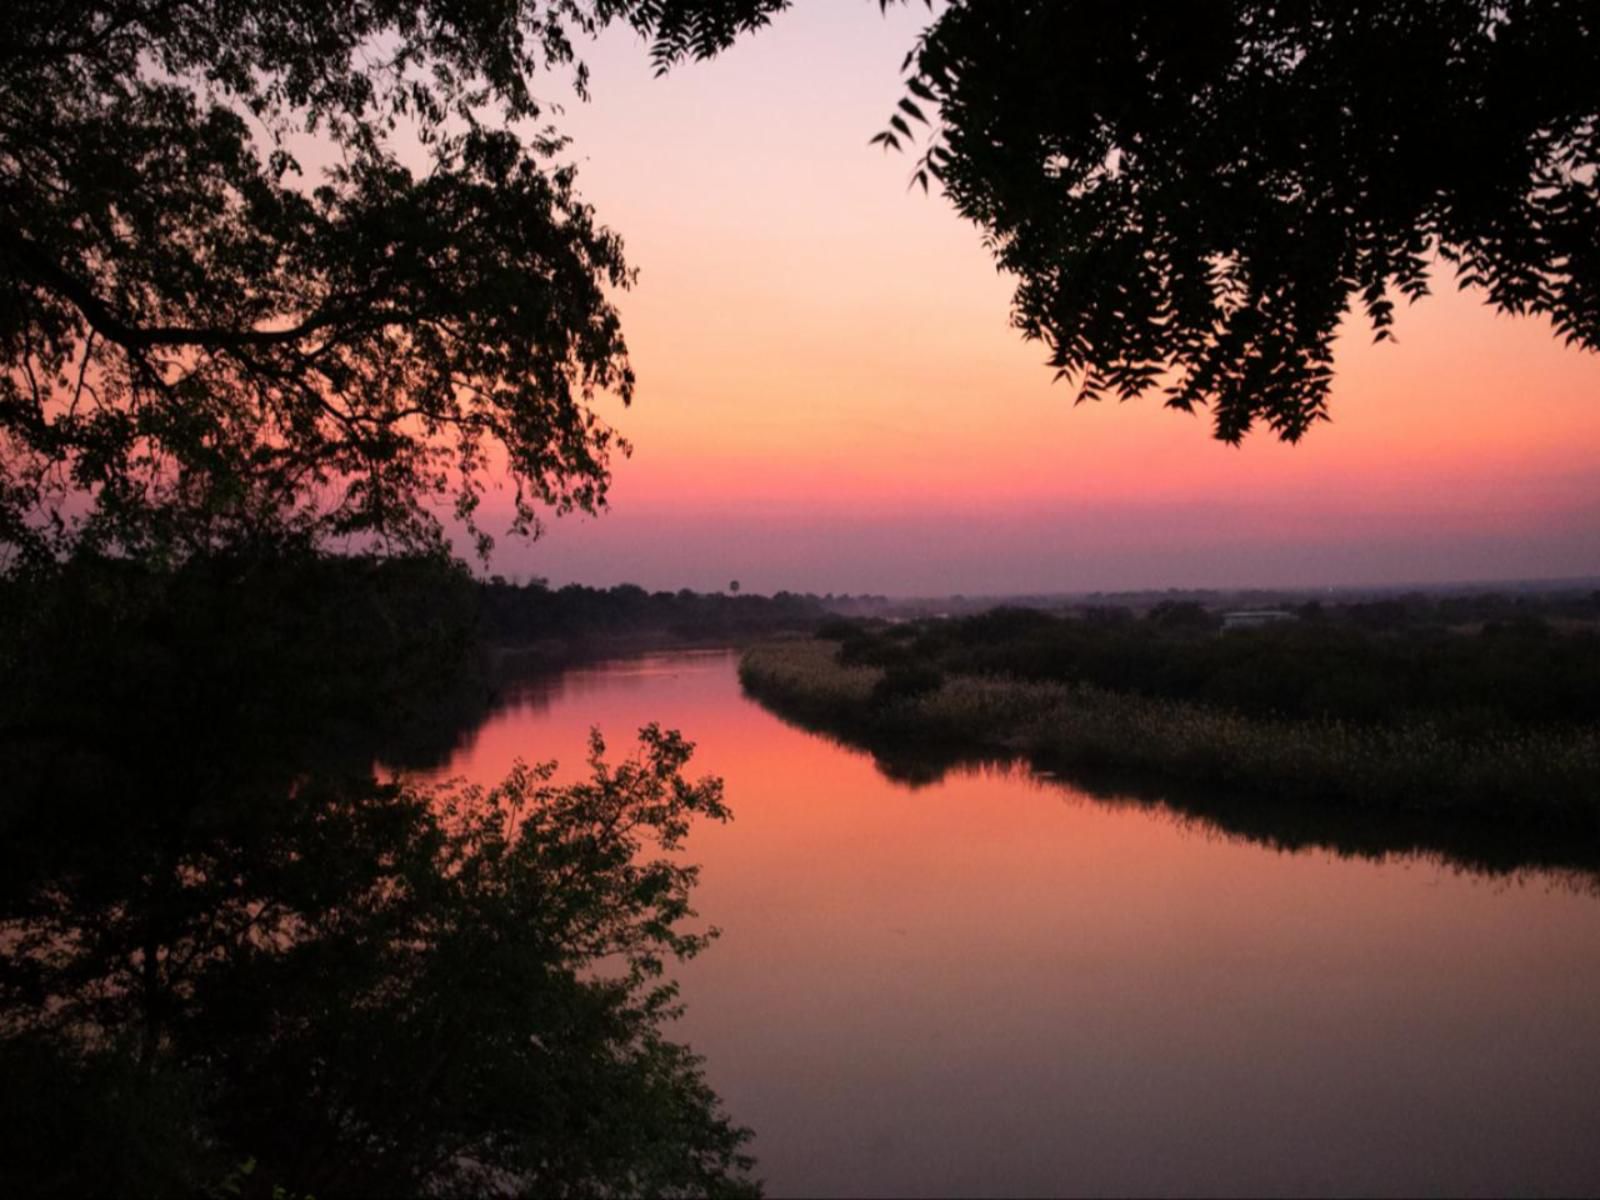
(1544, 776)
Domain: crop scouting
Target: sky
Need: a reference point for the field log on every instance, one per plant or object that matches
(831, 397)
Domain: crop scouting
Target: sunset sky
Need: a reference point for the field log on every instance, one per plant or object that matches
(831, 397)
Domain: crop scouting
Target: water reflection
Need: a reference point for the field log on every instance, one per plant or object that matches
(233, 961)
(997, 983)
(1468, 841)
(936, 976)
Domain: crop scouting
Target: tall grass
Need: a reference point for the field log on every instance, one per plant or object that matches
(1537, 774)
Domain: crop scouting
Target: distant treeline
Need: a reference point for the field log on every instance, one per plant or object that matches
(523, 614)
(1463, 662)
(370, 605)
(1449, 604)
(1417, 611)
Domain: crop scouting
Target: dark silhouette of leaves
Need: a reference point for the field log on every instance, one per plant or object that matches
(201, 341)
(1192, 196)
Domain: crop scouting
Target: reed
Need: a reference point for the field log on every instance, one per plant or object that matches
(1516, 772)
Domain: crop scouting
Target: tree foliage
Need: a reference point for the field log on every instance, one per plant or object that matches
(375, 990)
(223, 940)
(1192, 196)
(1383, 663)
(273, 265)
(320, 269)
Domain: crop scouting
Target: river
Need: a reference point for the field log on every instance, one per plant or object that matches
(995, 984)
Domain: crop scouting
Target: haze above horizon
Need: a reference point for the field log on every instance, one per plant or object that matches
(832, 399)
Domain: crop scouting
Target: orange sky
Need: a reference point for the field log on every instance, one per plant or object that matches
(831, 397)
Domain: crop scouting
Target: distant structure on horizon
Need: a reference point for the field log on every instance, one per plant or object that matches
(1254, 617)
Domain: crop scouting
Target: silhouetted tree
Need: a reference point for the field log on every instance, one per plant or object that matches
(1182, 615)
(202, 336)
(223, 940)
(369, 990)
(1191, 196)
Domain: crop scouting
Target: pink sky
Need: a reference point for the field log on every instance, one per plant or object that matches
(831, 397)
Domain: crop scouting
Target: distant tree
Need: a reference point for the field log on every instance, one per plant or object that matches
(1182, 615)
(203, 336)
(906, 681)
(1191, 196)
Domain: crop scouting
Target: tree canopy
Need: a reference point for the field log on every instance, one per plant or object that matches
(234, 961)
(204, 338)
(320, 270)
(1192, 196)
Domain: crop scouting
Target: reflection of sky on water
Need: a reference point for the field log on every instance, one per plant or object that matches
(973, 987)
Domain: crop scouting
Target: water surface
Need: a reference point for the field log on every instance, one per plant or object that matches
(999, 985)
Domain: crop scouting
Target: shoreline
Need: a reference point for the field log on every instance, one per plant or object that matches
(507, 662)
(1549, 780)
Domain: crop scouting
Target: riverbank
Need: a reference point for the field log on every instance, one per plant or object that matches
(515, 660)
(1532, 776)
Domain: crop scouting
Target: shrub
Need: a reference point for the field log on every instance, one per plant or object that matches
(906, 682)
(838, 629)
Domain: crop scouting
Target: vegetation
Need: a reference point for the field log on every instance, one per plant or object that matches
(378, 990)
(1363, 663)
(1200, 709)
(575, 616)
(204, 338)
(1191, 197)
(205, 332)
(238, 326)
(226, 944)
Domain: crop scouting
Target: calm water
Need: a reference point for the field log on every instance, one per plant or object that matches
(996, 985)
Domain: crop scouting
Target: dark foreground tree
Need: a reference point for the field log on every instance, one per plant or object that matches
(223, 942)
(273, 265)
(1193, 195)
(277, 266)
(372, 991)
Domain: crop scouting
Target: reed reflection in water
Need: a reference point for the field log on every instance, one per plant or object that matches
(998, 984)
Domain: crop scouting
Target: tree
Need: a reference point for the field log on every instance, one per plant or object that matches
(203, 337)
(375, 991)
(1192, 196)
(223, 940)
(206, 334)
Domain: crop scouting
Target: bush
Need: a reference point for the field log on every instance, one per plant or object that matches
(873, 650)
(907, 682)
(838, 629)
